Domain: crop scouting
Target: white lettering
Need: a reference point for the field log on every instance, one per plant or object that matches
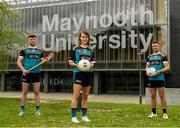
(145, 43)
(93, 19)
(65, 24)
(115, 43)
(117, 20)
(101, 38)
(46, 26)
(76, 24)
(103, 22)
(44, 45)
(133, 36)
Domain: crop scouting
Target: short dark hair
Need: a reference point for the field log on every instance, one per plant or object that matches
(155, 42)
(32, 36)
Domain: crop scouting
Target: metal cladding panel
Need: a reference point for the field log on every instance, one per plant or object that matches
(173, 79)
(121, 30)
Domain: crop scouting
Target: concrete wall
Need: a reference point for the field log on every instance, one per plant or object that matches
(172, 96)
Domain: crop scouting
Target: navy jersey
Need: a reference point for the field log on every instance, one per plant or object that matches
(79, 53)
(31, 57)
(157, 61)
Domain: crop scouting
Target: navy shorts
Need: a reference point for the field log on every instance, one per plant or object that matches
(83, 78)
(156, 83)
(31, 78)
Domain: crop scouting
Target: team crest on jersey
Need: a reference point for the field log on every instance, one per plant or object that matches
(84, 58)
(155, 62)
(33, 56)
(79, 50)
(84, 51)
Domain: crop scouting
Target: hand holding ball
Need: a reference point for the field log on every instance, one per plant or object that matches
(151, 71)
(84, 65)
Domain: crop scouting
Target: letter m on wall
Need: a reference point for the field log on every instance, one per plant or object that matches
(47, 26)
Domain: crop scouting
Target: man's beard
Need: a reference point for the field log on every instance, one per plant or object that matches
(156, 51)
(32, 45)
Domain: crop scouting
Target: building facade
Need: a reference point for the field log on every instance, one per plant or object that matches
(121, 33)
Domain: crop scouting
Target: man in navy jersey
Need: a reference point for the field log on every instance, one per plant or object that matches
(158, 61)
(28, 58)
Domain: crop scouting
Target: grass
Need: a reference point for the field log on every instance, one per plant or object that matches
(58, 114)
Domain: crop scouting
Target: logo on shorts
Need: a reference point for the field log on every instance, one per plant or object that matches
(78, 81)
(24, 80)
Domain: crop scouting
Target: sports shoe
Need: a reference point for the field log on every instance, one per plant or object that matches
(21, 113)
(74, 120)
(165, 116)
(85, 119)
(37, 113)
(152, 115)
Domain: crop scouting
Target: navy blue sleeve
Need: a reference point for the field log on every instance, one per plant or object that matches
(22, 53)
(147, 59)
(42, 55)
(165, 58)
(92, 58)
(72, 55)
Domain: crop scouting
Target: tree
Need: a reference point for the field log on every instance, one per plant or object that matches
(8, 35)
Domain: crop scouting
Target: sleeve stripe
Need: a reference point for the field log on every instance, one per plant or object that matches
(93, 62)
(165, 62)
(71, 61)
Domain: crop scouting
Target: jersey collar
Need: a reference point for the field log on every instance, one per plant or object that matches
(84, 46)
(156, 53)
(31, 47)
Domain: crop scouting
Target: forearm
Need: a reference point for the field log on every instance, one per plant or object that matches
(147, 66)
(20, 65)
(73, 64)
(164, 70)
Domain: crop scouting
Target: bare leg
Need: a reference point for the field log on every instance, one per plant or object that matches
(76, 94)
(161, 92)
(153, 97)
(25, 88)
(85, 90)
(36, 88)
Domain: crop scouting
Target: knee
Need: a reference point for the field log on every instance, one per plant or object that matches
(36, 93)
(75, 98)
(162, 97)
(153, 96)
(24, 93)
(85, 97)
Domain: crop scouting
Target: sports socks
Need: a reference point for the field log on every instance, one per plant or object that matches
(73, 111)
(84, 112)
(154, 110)
(37, 108)
(164, 110)
(22, 108)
